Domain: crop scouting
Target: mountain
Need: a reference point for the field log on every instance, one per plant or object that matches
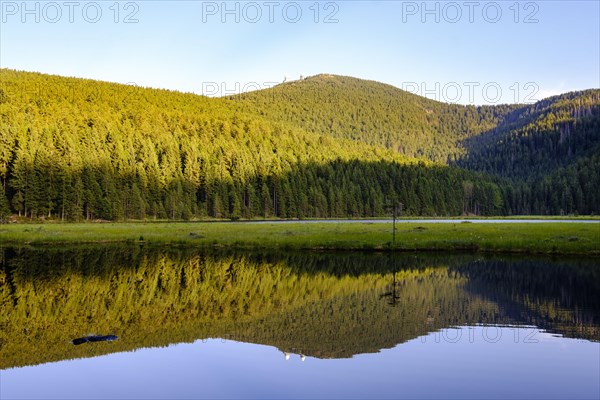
(326, 146)
(536, 139)
(74, 148)
(376, 114)
(549, 151)
(505, 139)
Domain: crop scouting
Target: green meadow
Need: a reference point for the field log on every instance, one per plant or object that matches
(538, 238)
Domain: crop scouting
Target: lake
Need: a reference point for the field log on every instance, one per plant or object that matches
(188, 323)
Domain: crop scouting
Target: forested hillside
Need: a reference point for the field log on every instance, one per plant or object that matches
(536, 139)
(551, 152)
(78, 149)
(545, 154)
(374, 113)
(326, 146)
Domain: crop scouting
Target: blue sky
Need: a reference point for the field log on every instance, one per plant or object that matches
(476, 52)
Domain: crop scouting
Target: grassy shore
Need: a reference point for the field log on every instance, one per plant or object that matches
(540, 238)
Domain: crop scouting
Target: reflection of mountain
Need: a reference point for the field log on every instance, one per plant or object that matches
(559, 297)
(427, 299)
(320, 304)
(563, 299)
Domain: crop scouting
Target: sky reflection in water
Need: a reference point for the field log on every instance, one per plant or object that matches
(470, 362)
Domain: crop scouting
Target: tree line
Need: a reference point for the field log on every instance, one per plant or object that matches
(75, 149)
(158, 154)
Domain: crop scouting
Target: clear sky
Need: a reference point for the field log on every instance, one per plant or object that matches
(469, 52)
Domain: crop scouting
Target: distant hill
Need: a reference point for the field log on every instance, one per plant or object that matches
(551, 152)
(534, 140)
(375, 113)
(80, 149)
(552, 145)
(326, 146)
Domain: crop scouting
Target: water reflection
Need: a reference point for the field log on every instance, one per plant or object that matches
(317, 305)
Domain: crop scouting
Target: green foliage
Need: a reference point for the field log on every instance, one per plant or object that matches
(524, 143)
(327, 146)
(375, 114)
(534, 140)
(4, 207)
(551, 153)
(77, 149)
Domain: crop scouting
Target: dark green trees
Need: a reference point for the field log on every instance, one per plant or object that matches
(323, 147)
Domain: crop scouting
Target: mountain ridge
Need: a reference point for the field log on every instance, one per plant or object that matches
(304, 148)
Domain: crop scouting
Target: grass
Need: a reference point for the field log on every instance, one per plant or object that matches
(541, 238)
(521, 217)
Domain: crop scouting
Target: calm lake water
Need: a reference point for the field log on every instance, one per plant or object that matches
(197, 324)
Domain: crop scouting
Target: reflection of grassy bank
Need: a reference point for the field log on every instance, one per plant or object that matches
(549, 238)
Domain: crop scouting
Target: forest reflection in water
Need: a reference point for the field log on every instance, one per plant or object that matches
(324, 305)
